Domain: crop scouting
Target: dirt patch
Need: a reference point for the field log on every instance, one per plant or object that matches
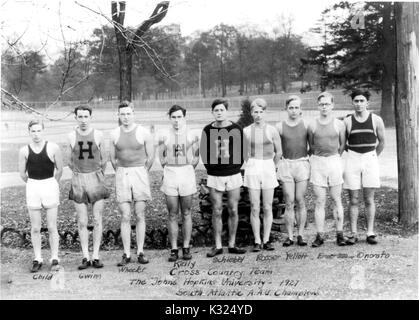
(385, 271)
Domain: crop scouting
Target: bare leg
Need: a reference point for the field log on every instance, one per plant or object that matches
(233, 216)
(320, 201)
(217, 209)
(268, 196)
(53, 232)
(300, 190)
(35, 217)
(353, 209)
(173, 208)
(82, 220)
(254, 195)
(335, 194)
(140, 228)
(185, 205)
(98, 227)
(125, 208)
(289, 189)
(370, 208)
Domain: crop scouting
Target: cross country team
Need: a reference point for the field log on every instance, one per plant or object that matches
(293, 151)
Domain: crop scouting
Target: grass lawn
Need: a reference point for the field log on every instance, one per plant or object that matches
(14, 213)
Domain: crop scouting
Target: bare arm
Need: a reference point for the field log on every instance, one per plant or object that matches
(310, 139)
(162, 149)
(380, 135)
(112, 151)
(195, 152)
(342, 137)
(58, 161)
(149, 150)
(23, 158)
(246, 146)
(103, 154)
(276, 139)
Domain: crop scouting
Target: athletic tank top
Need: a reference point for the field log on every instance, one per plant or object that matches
(129, 152)
(177, 146)
(261, 145)
(326, 139)
(39, 166)
(362, 137)
(85, 154)
(294, 140)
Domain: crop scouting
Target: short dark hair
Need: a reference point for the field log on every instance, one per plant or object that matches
(125, 104)
(216, 102)
(35, 122)
(358, 92)
(175, 108)
(83, 107)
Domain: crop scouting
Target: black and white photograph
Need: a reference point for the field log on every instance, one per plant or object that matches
(209, 151)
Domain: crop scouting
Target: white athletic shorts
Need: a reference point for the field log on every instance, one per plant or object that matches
(361, 170)
(132, 184)
(326, 171)
(42, 193)
(293, 170)
(226, 183)
(179, 181)
(260, 174)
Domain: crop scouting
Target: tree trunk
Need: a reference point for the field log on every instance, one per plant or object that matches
(388, 77)
(406, 109)
(126, 44)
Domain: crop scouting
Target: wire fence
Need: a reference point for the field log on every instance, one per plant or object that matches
(275, 101)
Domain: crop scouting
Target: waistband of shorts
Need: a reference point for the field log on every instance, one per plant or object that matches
(337, 156)
(358, 154)
(178, 165)
(261, 160)
(295, 160)
(86, 173)
(41, 180)
(125, 168)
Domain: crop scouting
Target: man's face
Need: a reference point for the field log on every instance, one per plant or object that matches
(294, 109)
(258, 114)
(83, 118)
(178, 120)
(325, 105)
(36, 132)
(360, 103)
(219, 112)
(126, 116)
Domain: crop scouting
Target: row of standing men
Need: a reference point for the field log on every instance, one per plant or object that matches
(294, 151)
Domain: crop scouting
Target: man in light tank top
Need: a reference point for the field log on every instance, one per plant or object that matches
(327, 142)
(41, 167)
(179, 155)
(263, 151)
(365, 142)
(294, 168)
(88, 162)
(132, 155)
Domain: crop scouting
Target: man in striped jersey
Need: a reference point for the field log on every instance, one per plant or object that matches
(365, 141)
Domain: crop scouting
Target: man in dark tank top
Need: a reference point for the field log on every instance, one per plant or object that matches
(41, 167)
(88, 162)
(365, 142)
